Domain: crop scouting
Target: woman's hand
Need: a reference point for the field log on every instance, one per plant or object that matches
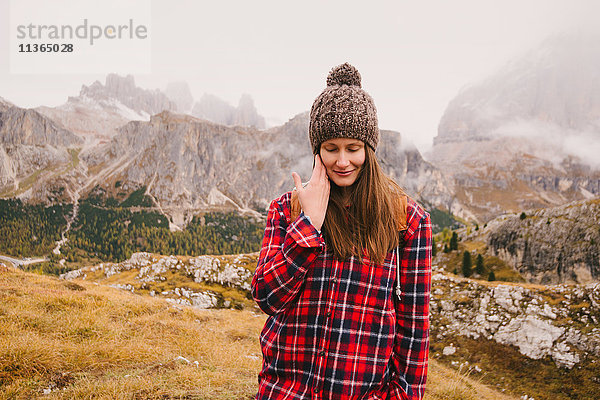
(314, 197)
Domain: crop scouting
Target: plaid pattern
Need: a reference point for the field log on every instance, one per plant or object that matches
(335, 328)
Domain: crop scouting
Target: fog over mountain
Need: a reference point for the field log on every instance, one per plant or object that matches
(215, 109)
(181, 95)
(529, 135)
(552, 93)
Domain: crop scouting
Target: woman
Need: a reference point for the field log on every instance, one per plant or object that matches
(341, 324)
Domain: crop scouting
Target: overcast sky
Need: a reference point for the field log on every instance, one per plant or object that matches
(414, 57)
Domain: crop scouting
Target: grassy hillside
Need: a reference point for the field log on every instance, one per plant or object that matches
(79, 339)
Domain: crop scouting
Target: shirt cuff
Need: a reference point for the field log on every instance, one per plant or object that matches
(308, 218)
(304, 233)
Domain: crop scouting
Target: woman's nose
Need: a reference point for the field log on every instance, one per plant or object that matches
(342, 160)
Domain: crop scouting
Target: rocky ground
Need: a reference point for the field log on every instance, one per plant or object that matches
(558, 321)
(490, 329)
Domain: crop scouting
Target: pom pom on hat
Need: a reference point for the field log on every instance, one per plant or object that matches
(344, 74)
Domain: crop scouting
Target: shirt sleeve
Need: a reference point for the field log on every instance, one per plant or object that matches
(286, 253)
(411, 345)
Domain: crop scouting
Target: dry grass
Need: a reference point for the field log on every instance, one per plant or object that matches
(82, 340)
(444, 383)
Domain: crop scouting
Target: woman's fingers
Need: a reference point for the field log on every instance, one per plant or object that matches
(315, 196)
(297, 181)
(322, 169)
(316, 172)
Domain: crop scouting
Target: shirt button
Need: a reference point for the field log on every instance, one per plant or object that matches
(322, 353)
(328, 314)
(316, 390)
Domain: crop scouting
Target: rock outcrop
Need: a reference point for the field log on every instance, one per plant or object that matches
(559, 322)
(247, 115)
(232, 272)
(124, 90)
(553, 245)
(5, 104)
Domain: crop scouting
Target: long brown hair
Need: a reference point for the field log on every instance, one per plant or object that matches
(374, 217)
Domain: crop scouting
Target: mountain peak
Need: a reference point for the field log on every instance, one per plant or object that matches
(217, 110)
(122, 90)
(181, 95)
(167, 116)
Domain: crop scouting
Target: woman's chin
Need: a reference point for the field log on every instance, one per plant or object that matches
(343, 182)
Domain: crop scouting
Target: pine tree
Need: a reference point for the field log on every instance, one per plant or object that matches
(467, 265)
(491, 276)
(433, 247)
(454, 241)
(479, 264)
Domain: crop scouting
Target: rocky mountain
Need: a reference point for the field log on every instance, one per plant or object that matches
(100, 109)
(529, 135)
(181, 95)
(214, 109)
(549, 246)
(123, 89)
(190, 165)
(423, 181)
(246, 113)
(38, 158)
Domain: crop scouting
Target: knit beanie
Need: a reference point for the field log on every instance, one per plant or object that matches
(343, 110)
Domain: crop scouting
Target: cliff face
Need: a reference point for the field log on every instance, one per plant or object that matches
(529, 135)
(190, 165)
(421, 179)
(554, 245)
(34, 149)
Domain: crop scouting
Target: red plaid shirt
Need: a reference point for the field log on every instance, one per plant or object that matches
(336, 329)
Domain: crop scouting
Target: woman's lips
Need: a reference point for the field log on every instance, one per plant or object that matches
(345, 173)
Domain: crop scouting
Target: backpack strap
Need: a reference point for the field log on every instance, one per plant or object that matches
(295, 206)
(403, 204)
(403, 226)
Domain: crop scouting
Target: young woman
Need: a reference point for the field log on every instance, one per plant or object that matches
(344, 271)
